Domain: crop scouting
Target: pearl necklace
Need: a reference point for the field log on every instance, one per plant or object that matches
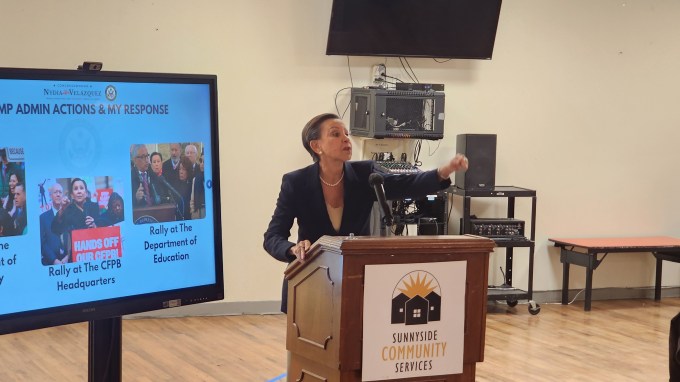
(332, 184)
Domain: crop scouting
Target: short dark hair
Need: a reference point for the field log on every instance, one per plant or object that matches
(312, 131)
(73, 181)
(155, 153)
(113, 197)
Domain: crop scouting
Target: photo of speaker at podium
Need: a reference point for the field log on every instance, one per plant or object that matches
(77, 212)
(167, 182)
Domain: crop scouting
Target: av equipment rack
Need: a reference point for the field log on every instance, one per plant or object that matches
(383, 113)
(497, 228)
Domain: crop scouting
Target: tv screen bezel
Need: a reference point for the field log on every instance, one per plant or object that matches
(334, 48)
(116, 307)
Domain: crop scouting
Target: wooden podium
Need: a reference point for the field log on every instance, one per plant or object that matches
(154, 214)
(326, 292)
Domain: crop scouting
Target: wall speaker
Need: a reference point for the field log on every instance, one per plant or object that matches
(480, 149)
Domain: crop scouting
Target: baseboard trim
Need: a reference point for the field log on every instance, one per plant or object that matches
(219, 308)
(555, 296)
(224, 308)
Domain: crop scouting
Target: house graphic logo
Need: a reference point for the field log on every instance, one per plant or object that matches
(416, 299)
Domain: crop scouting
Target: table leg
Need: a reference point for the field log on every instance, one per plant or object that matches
(565, 283)
(657, 282)
(589, 288)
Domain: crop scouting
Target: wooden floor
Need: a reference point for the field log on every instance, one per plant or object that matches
(616, 341)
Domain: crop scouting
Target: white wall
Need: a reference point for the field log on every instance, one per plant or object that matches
(581, 93)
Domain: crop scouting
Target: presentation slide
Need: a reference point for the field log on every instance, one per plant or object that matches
(105, 190)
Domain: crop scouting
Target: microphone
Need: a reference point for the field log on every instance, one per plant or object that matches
(376, 181)
(141, 182)
(175, 195)
(156, 195)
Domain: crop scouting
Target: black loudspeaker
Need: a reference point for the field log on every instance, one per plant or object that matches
(480, 149)
(430, 226)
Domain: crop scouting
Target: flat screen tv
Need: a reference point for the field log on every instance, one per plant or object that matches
(414, 28)
(109, 195)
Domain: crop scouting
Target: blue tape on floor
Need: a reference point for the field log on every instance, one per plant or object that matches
(280, 377)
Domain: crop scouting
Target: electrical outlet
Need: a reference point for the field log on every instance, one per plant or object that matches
(378, 78)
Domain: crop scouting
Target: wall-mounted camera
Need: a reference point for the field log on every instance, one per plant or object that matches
(91, 66)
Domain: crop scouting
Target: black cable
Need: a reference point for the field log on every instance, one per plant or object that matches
(337, 109)
(416, 153)
(505, 280)
(351, 81)
(349, 69)
(439, 142)
(407, 73)
(414, 73)
(448, 216)
(441, 62)
(345, 111)
(394, 78)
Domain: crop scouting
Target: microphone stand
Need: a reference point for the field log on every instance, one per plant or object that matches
(385, 221)
(175, 197)
(376, 181)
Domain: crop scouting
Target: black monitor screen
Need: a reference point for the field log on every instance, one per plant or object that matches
(109, 197)
(414, 28)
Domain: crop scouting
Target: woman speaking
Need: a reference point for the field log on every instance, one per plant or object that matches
(78, 213)
(333, 196)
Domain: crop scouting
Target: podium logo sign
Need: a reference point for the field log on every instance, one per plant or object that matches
(416, 302)
(413, 320)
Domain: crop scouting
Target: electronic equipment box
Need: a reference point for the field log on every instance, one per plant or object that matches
(497, 228)
(384, 113)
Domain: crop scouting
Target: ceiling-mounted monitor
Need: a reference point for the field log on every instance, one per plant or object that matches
(414, 28)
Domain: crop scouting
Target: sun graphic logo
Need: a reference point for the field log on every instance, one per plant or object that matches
(416, 299)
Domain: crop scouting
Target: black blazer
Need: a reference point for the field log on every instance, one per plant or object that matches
(74, 218)
(674, 349)
(157, 190)
(50, 243)
(170, 174)
(301, 198)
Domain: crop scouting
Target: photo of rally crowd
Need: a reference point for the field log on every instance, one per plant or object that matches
(75, 204)
(168, 182)
(12, 192)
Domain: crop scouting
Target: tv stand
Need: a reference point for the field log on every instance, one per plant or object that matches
(104, 353)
